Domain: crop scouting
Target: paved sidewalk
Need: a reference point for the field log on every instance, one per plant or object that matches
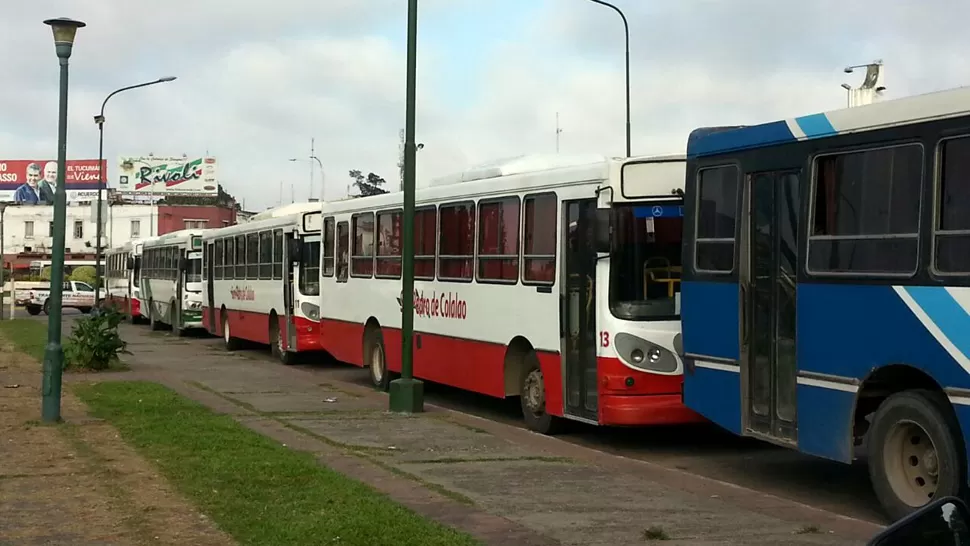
(502, 484)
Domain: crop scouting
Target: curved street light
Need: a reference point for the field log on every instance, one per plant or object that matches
(99, 120)
(626, 31)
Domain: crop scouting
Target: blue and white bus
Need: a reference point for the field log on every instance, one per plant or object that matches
(826, 288)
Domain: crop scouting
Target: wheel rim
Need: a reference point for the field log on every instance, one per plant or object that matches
(225, 331)
(534, 393)
(912, 463)
(377, 365)
(279, 342)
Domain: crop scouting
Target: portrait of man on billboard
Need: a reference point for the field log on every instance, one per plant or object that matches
(49, 184)
(29, 192)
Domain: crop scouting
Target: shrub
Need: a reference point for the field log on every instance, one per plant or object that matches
(94, 343)
(84, 273)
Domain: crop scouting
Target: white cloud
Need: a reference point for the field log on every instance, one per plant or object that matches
(257, 80)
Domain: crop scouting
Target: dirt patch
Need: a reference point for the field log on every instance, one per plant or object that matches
(78, 483)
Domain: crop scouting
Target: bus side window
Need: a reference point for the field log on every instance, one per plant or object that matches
(343, 245)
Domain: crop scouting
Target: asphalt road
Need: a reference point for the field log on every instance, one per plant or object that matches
(699, 449)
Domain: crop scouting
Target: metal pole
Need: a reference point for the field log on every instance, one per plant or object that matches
(311, 169)
(323, 176)
(97, 244)
(407, 393)
(54, 353)
(626, 31)
(3, 262)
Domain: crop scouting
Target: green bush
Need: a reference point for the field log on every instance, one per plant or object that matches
(94, 343)
(84, 273)
(45, 274)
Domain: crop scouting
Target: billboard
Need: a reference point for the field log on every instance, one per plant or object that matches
(33, 181)
(167, 175)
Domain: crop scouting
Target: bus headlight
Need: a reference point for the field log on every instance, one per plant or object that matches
(193, 305)
(642, 354)
(311, 311)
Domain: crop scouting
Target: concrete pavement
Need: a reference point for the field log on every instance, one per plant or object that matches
(500, 483)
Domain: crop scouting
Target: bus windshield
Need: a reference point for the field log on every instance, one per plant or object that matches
(645, 261)
(310, 269)
(194, 271)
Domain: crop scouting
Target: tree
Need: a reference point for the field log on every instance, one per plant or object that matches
(84, 273)
(372, 184)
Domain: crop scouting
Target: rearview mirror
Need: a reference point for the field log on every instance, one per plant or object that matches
(183, 263)
(131, 262)
(295, 250)
(943, 521)
(602, 230)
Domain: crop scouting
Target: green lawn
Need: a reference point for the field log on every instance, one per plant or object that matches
(28, 336)
(255, 489)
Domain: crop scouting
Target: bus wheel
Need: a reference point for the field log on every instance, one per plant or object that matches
(231, 343)
(276, 344)
(533, 400)
(915, 452)
(375, 358)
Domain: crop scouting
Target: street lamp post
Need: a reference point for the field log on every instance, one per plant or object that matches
(626, 31)
(99, 120)
(3, 262)
(323, 178)
(64, 32)
(407, 393)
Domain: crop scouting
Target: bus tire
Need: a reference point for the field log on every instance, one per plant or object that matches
(375, 358)
(230, 342)
(276, 343)
(533, 400)
(915, 452)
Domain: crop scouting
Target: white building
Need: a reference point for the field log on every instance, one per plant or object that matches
(29, 229)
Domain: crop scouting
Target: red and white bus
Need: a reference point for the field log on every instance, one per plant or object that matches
(521, 288)
(122, 275)
(262, 281)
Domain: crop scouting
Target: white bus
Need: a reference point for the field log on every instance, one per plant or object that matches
(171, 280)
(262, 281)
(122, 282)
(521, 289)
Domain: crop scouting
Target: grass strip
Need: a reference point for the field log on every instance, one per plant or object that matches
(254, 488)
(28, 336)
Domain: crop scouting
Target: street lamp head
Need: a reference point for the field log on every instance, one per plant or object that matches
(849, 69)
(846, 86)
(64, 31)
(167, 79)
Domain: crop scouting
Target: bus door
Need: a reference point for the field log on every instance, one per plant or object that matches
(210, 287)
(291, 261)
(578, 310)
(769, 368)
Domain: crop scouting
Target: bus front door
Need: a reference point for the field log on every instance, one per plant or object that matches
(289, 265)
(210, 288)
(769, 371)
(578, 313)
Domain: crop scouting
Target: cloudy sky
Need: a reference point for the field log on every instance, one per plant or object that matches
(258, 79)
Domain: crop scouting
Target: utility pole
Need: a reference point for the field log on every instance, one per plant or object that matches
(558, 132)
(400, 162)
(312, 154)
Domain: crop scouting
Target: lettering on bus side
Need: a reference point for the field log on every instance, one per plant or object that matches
(245, 293)
(447, 305)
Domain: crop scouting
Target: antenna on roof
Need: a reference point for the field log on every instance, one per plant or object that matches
(558, 132)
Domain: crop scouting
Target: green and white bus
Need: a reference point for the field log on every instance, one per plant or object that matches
(171, 280)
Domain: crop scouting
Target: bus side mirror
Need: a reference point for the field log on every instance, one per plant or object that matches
(602, 229)
(183, 263)
(295, 250)
(131, 262)
(945, 521)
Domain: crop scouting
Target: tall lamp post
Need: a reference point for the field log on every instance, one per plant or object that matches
(323, 177)
(3, 263)
(99, 120)
(626, 31)
(407, 393)
(64, 32)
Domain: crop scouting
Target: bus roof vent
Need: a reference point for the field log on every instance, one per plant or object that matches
(518, 165)
(286, 210)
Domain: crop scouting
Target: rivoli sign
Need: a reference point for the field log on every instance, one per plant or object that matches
(185, 175)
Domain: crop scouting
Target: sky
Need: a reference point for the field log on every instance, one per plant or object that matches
(258, 80)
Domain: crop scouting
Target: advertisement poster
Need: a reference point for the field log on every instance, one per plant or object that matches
(162, 176)
(33, 181)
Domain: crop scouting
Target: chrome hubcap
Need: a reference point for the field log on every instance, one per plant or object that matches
(912, 464)
(377, 364)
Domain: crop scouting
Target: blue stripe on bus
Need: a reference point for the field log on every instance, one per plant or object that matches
(948, 315)
(816, 125)
(738, 139)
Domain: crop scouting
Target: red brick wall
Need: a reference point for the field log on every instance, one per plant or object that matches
(172, 218)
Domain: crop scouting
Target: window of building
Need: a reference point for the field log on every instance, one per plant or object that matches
(362, 255)
(717, 208)
(498, 240)
(389, 244)
(278, 254)
(866, 211)
(539, 241)
(328, 247)
(240, 257)
(252, 256)
(135, 229)
(343, 237)
(195, 224)
(425, 240)
(952, 238)
(456, 242)
(28, 230)
(78, 229)
(50, 229)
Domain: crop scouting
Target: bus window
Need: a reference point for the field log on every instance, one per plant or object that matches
(194, 271)
(343, 261)
(310, 269)
(645, 263)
